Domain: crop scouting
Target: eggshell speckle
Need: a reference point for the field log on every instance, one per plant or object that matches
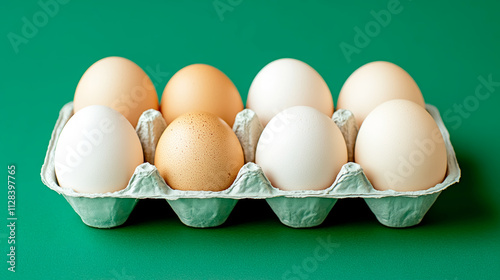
(199, 152)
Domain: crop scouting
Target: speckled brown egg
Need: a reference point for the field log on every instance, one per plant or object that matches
(199, 152)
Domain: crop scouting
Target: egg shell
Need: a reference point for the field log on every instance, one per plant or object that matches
(97, 151)
(374, 83)
(305, 208)
(400, 147)
(118, 83)
(301, 149)
(199, 152)
(285, 83)
(201, 87)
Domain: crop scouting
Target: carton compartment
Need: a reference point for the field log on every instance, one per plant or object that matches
(202, 209)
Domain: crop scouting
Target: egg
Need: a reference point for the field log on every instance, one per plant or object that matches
(97, 151)
(201, 87)
(285, 83)
(400, 147)
(199, 152)
(374, 83)
(301, 149)
(118, 83)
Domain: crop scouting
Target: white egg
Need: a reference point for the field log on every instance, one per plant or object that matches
(301, 149)
(97, 151)
(285, 83)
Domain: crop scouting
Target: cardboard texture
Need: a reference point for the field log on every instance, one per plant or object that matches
(298, 209)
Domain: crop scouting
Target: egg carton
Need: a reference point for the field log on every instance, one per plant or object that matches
(297, 209)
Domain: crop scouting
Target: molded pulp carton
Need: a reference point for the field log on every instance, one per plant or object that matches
(298, 209)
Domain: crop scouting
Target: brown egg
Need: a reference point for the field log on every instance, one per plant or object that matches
(199, 152)
(201, 87)
(118, 83)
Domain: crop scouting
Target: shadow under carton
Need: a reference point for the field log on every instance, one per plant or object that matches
(202, 209)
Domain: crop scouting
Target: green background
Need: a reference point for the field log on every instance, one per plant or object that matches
(445, 46)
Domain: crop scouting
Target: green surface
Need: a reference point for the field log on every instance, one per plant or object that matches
(445, 46)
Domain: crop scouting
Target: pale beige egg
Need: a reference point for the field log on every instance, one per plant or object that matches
(118, 83)
(374, 83)
(400, 147)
